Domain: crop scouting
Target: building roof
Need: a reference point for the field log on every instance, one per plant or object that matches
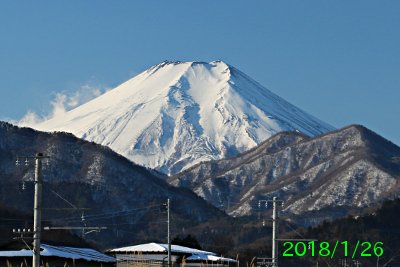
(156, 247)
(62, 252)
(197, 255)
(202, 257)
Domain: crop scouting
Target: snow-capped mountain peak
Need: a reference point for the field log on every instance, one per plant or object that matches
(177, 114)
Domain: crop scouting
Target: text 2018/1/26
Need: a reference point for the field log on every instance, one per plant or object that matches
(300, 249)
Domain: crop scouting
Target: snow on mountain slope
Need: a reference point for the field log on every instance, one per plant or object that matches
(177, 114)
(324, 177)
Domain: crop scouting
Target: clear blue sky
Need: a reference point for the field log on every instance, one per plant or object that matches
(337, 60)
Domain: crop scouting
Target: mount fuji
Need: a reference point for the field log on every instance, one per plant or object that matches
(177, 114)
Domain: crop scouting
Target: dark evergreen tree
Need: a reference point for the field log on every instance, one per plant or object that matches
(188, 241)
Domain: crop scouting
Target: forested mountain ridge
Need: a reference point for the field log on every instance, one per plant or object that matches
(89, 175)
(349, 169)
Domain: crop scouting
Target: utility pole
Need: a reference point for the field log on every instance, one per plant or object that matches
(169, 234)
(37, 209)
(275, 219)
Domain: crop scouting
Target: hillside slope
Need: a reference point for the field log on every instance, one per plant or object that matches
(118, 193)
(324, 177)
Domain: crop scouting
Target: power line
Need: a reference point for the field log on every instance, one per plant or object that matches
(112, 214)
(62, 198)
(99, 216)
